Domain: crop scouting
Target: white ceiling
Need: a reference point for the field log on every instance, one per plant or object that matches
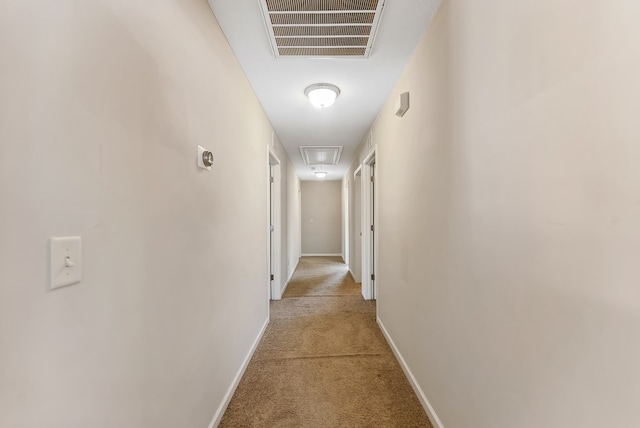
(365, 84)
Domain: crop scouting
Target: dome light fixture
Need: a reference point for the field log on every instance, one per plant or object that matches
(320, 173)
(322, 95)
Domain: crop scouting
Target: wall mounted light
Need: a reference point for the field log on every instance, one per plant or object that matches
(322, 95)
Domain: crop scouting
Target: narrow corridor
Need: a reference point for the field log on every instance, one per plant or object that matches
(323, 361)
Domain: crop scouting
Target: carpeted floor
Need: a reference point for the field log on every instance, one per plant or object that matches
(323, 361)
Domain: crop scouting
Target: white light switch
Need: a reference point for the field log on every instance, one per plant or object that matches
(66, 261)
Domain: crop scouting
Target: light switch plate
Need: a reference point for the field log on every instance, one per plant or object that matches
(66, 261)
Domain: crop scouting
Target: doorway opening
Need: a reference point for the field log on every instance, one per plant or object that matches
(345, 221)
(356, 262)
(369, 204)
(274, 227)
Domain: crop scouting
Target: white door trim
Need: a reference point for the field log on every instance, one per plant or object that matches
(274, 251)
(356, 263)
(346, 229)
(357, 171)
(368, 264)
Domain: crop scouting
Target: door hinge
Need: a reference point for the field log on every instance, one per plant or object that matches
(373, 178)
(372, 228)
(272, 277)
(373, 277)
(270, 179)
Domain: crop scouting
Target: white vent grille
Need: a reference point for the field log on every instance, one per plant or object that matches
(321, 155)
(327, 28)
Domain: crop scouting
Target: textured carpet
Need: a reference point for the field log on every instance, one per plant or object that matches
(323, 361)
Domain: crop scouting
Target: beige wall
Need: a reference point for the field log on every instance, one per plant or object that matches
(103, 104)
(509, 214)
(321, 217)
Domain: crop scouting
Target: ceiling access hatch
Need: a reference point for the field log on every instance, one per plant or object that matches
(321, 155)
(322, 28)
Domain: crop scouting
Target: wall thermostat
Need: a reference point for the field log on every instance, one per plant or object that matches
(205, 158)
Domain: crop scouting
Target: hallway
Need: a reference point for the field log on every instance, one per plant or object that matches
(323, 361)
(505, 208)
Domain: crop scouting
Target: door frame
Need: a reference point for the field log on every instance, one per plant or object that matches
(356, 263)
(274, 218)
(369, 263)
(346, 229)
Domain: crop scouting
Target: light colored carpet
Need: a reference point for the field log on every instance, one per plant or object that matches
(323, 361)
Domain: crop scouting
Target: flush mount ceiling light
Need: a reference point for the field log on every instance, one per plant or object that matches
(320, 173)
(322, 95)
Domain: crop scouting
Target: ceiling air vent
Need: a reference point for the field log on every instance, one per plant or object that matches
(321, 155)
(325, 28)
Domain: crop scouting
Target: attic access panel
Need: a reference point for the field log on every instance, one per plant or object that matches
(321, 155)
(322, 28)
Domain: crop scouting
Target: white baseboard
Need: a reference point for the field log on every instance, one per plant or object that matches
(435, 420)
(322, 255)
(232, 388)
